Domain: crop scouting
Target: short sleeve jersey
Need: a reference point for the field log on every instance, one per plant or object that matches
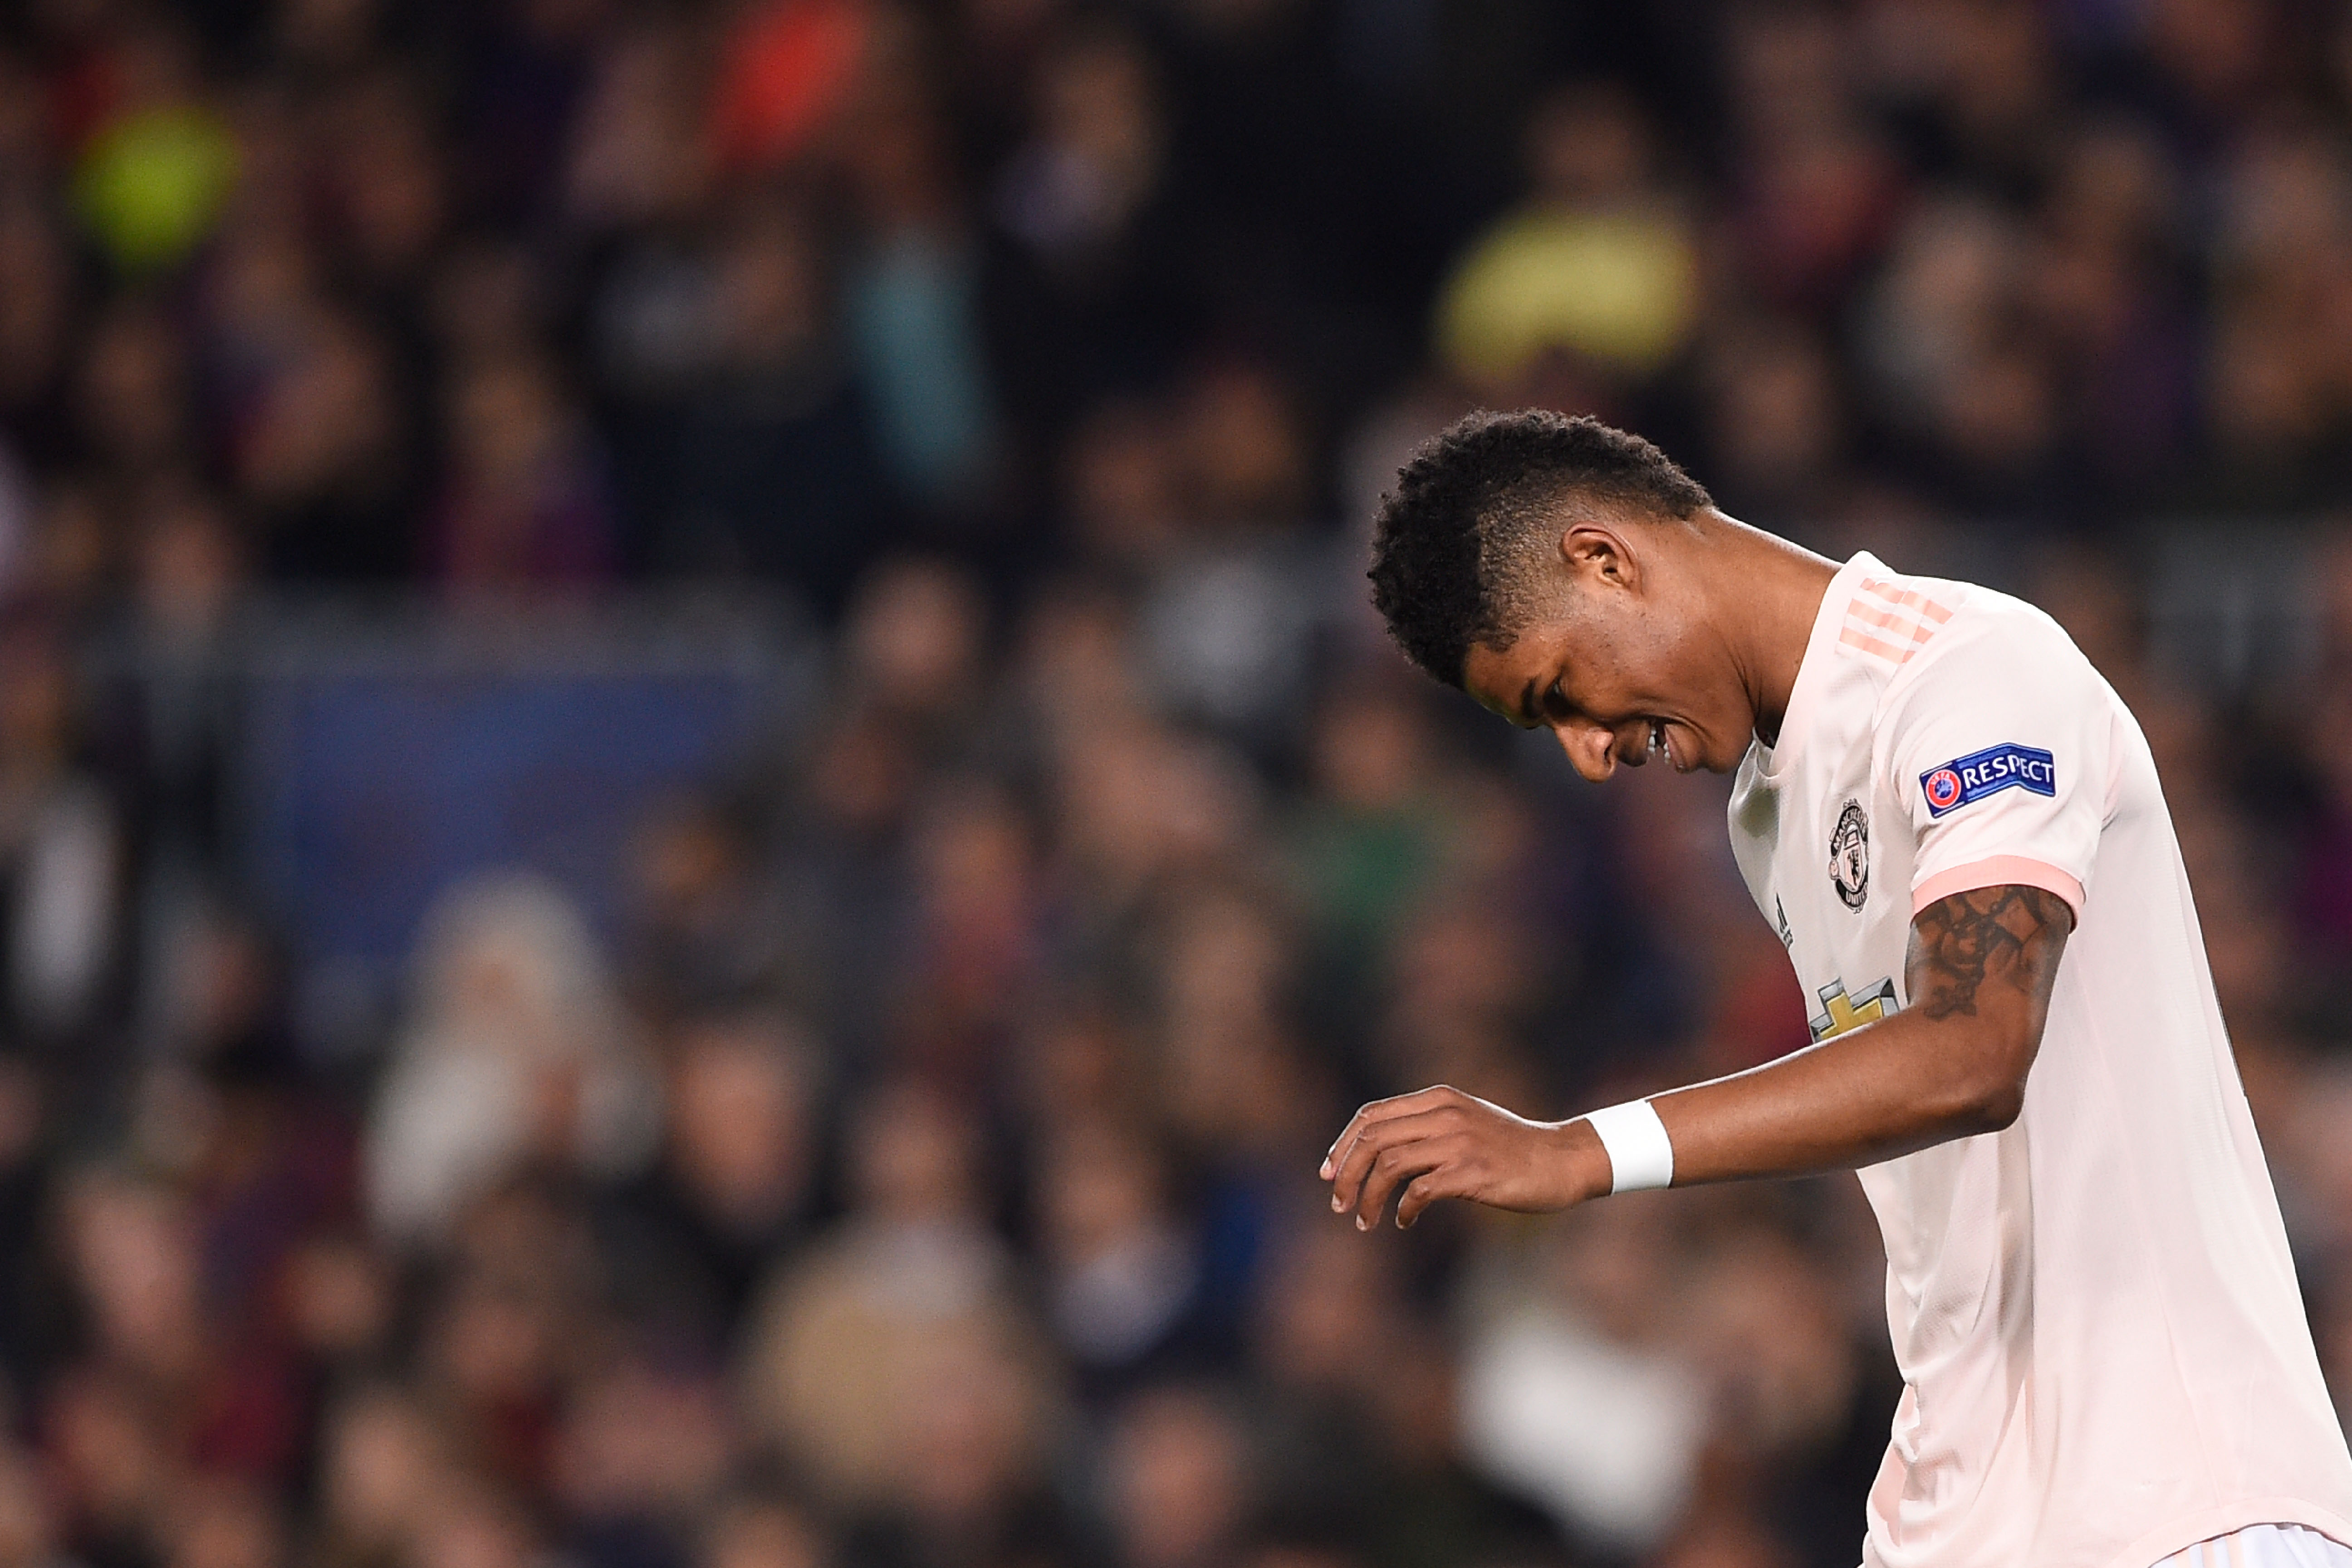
(2101, 1342)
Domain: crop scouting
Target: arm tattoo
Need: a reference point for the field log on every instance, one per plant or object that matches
(2009, 935)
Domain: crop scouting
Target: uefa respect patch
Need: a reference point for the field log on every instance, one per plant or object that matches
(1988, 771)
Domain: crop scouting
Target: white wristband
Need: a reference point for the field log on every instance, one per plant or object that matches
(1640, 1155)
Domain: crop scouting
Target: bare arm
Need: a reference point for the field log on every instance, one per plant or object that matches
(1980, 969)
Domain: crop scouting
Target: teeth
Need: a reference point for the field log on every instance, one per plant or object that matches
(1657, 736)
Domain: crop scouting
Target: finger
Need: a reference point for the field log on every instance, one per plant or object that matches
(1446, 1181)
(1370, 1114)
(1355, 1162)
(1397, 1164)
(1373, 1114)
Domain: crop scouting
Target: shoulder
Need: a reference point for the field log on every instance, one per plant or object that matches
(1988, 647)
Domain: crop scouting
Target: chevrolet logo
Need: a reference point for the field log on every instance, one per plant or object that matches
(1840, 1012)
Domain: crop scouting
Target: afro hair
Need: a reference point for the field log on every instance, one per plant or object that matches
(1455, 542)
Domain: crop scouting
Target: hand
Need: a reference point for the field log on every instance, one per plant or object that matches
(1444, 1143)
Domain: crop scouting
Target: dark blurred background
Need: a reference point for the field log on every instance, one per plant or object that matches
(699, 826)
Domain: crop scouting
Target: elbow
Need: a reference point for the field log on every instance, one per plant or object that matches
(1993, 1097)
(1980, 1087)
(1998, 1107)
(1992, 1109)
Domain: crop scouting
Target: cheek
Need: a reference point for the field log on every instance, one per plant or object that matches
(1667, 679)
(1639, 673)
(1612, 665)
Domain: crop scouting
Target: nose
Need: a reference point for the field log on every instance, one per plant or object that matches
(1592, 749)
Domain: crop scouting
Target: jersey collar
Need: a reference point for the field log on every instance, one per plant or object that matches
(1813, 672)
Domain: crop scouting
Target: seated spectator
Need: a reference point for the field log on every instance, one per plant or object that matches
(706, 931)
(774, 467)
(381, 1458)
(1123, 1272)
(639, 1455)
(1598, 1337)
(734, 1186)
(1176, 1479)
(757, 1531)
(516, 1054)
(836, 1361)
(525, 509)
(1599, 264)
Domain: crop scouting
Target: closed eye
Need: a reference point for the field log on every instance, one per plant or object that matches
(1553, 704)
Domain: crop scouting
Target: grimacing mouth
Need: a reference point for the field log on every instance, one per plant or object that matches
(1649, 742)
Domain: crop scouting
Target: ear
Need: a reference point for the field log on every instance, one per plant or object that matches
(1600, 556)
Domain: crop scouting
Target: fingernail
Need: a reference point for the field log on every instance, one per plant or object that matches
(1336, 1206)
(1327, 1170)
(1363, 1224)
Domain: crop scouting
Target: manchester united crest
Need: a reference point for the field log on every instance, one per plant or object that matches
(1850, 856)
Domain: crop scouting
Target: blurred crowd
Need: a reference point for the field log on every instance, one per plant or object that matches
(921, 1172)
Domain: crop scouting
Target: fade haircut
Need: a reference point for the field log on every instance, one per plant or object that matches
(1457, 545)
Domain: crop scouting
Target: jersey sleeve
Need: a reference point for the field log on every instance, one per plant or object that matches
(1999, 747)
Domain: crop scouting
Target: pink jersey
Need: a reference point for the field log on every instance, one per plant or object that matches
(2103, 1345)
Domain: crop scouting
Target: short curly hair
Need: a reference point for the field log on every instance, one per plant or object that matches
(1456, 544)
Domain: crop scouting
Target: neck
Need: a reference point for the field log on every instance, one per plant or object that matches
(1763, 595)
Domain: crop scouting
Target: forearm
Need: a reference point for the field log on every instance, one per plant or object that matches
(1875, 1093)
(1980, 968)
(1951, 1064)
(1870, 1095)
